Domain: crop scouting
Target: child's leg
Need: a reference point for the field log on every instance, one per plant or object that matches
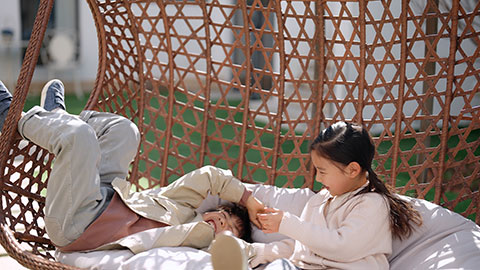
(74, 198)
(118, 138)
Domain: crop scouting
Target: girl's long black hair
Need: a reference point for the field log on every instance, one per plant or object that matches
(344, 143)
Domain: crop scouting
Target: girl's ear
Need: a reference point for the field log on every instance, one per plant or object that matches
(353, 169)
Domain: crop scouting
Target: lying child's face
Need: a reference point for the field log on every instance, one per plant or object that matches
(223, 221)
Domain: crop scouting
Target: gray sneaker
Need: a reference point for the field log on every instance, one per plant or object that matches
(227, 253)
(5, 101)
(53, 95)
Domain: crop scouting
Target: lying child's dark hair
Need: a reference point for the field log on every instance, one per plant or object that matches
(241, 212)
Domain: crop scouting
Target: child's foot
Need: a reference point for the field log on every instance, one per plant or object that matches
(5, 101)
(53, 96)
(227, 253)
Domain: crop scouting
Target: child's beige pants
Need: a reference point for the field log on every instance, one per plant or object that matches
(90, 151)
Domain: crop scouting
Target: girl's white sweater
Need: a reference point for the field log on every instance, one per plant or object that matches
(340, 232)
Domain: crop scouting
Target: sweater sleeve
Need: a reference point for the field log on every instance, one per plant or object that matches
(191, 189)
(361, 232)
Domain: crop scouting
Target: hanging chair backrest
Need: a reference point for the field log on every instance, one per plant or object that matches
(247, 85)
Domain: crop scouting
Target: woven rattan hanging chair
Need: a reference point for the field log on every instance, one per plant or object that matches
(246, 85)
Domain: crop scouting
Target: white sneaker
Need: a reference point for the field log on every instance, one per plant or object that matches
(227, 253)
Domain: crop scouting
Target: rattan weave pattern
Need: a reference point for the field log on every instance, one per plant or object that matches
(246, 85)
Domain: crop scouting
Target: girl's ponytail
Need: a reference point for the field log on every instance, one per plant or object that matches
(401, 211)
(375, 183)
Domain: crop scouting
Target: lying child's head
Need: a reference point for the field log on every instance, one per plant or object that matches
(230, 217)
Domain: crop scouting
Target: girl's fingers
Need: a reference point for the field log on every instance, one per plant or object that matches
(262, 217)
(267, 210)
(267, 214)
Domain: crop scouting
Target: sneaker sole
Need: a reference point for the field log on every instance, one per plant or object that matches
(227, 254)
(43, 95)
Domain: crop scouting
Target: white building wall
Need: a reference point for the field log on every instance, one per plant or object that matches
(10, 55)
(10, 52)
(88, 43)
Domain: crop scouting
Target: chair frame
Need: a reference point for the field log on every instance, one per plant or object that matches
(156, 76)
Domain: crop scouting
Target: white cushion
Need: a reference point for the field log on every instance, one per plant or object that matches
(178, 258)
(446, 240)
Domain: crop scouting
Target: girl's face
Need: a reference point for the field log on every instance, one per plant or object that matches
(337, 178)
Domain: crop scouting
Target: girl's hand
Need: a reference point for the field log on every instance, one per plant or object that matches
(270, 220)
(254, 206)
